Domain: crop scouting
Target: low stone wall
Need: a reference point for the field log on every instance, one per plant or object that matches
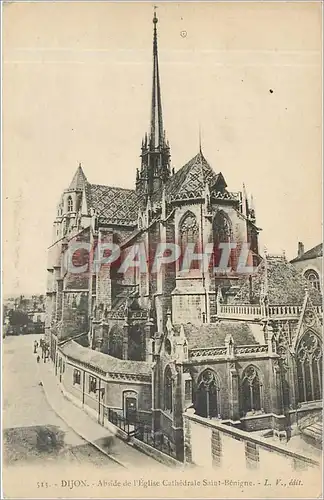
(209, 443)
(156, 454)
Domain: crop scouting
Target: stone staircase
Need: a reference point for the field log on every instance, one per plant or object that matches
(311, 429)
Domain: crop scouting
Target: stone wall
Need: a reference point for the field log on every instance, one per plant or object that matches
(209, 443)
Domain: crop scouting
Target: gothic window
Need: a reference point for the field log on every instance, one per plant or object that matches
(188, 390)
(253, 241)
(207, 402)
(115, 275)
(313, 278)
(116, 342)
(309, 367)
(189, 233)
(168, 346)
(168, 390)
(69, 204)
(136, 344)
(76, 377)
(251, 390)
(222, 233)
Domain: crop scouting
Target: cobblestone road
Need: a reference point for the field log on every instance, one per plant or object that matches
(32, 432)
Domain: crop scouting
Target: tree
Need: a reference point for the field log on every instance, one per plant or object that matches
(17, 318)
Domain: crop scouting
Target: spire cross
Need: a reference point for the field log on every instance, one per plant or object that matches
(156, 136)
(200, 147)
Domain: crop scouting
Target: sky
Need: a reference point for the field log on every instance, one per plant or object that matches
(77, 88)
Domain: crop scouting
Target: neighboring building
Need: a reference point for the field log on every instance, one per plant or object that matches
(310, 263)
(25, 314)
(244, 349)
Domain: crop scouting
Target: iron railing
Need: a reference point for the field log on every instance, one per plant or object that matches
(143, 432)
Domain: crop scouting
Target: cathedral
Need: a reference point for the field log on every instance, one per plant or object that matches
(150, 342)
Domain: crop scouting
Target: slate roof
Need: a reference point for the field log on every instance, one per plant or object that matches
(285, 284)
(313, 253)
(104, 362)
(79, 180)
(213, 334)
(190, 181)
(113, 204)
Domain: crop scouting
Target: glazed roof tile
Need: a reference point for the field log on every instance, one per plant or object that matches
(190, 181)
(114, 204)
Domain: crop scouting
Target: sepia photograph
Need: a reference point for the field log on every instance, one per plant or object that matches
(162, 249)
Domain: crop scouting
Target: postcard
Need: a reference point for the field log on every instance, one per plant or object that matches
(162, 250)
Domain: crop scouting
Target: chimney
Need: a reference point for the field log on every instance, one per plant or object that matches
(300, 249)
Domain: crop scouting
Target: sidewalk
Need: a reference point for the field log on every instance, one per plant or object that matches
(100, 437)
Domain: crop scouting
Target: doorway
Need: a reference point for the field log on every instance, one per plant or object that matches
(130, 406)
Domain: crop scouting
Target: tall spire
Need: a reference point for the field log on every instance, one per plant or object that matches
(157, 132)
(155, 151)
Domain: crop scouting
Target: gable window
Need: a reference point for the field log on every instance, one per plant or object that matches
(313, 278)
(168, 390)
(76, 377)
(309, 367)
(69, 204)
(251, 390)
(92, 384)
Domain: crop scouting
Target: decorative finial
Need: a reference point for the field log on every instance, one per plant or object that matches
(80, 164)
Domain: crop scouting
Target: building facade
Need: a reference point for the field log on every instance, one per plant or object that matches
(310, 263)
(241, 343)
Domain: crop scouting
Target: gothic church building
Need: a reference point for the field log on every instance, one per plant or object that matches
(245, 349)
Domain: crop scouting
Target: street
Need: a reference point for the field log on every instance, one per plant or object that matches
(32, 432)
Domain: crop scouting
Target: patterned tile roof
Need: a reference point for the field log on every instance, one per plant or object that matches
(113, 204)
(213, 334)
(313, 253)
(285, 284)
(104, 362)
(190, 181)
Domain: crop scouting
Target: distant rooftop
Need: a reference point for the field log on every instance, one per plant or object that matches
(313, 253)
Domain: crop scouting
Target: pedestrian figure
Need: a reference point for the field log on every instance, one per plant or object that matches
(38, 359)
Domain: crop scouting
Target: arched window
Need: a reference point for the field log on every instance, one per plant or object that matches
(116, 342)
(69, 204)
(168, 390)
(222, 233)
(189, 233)
(309, 367)
(251, 390)
(168, 346)
(314, 279)
(207, 402)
